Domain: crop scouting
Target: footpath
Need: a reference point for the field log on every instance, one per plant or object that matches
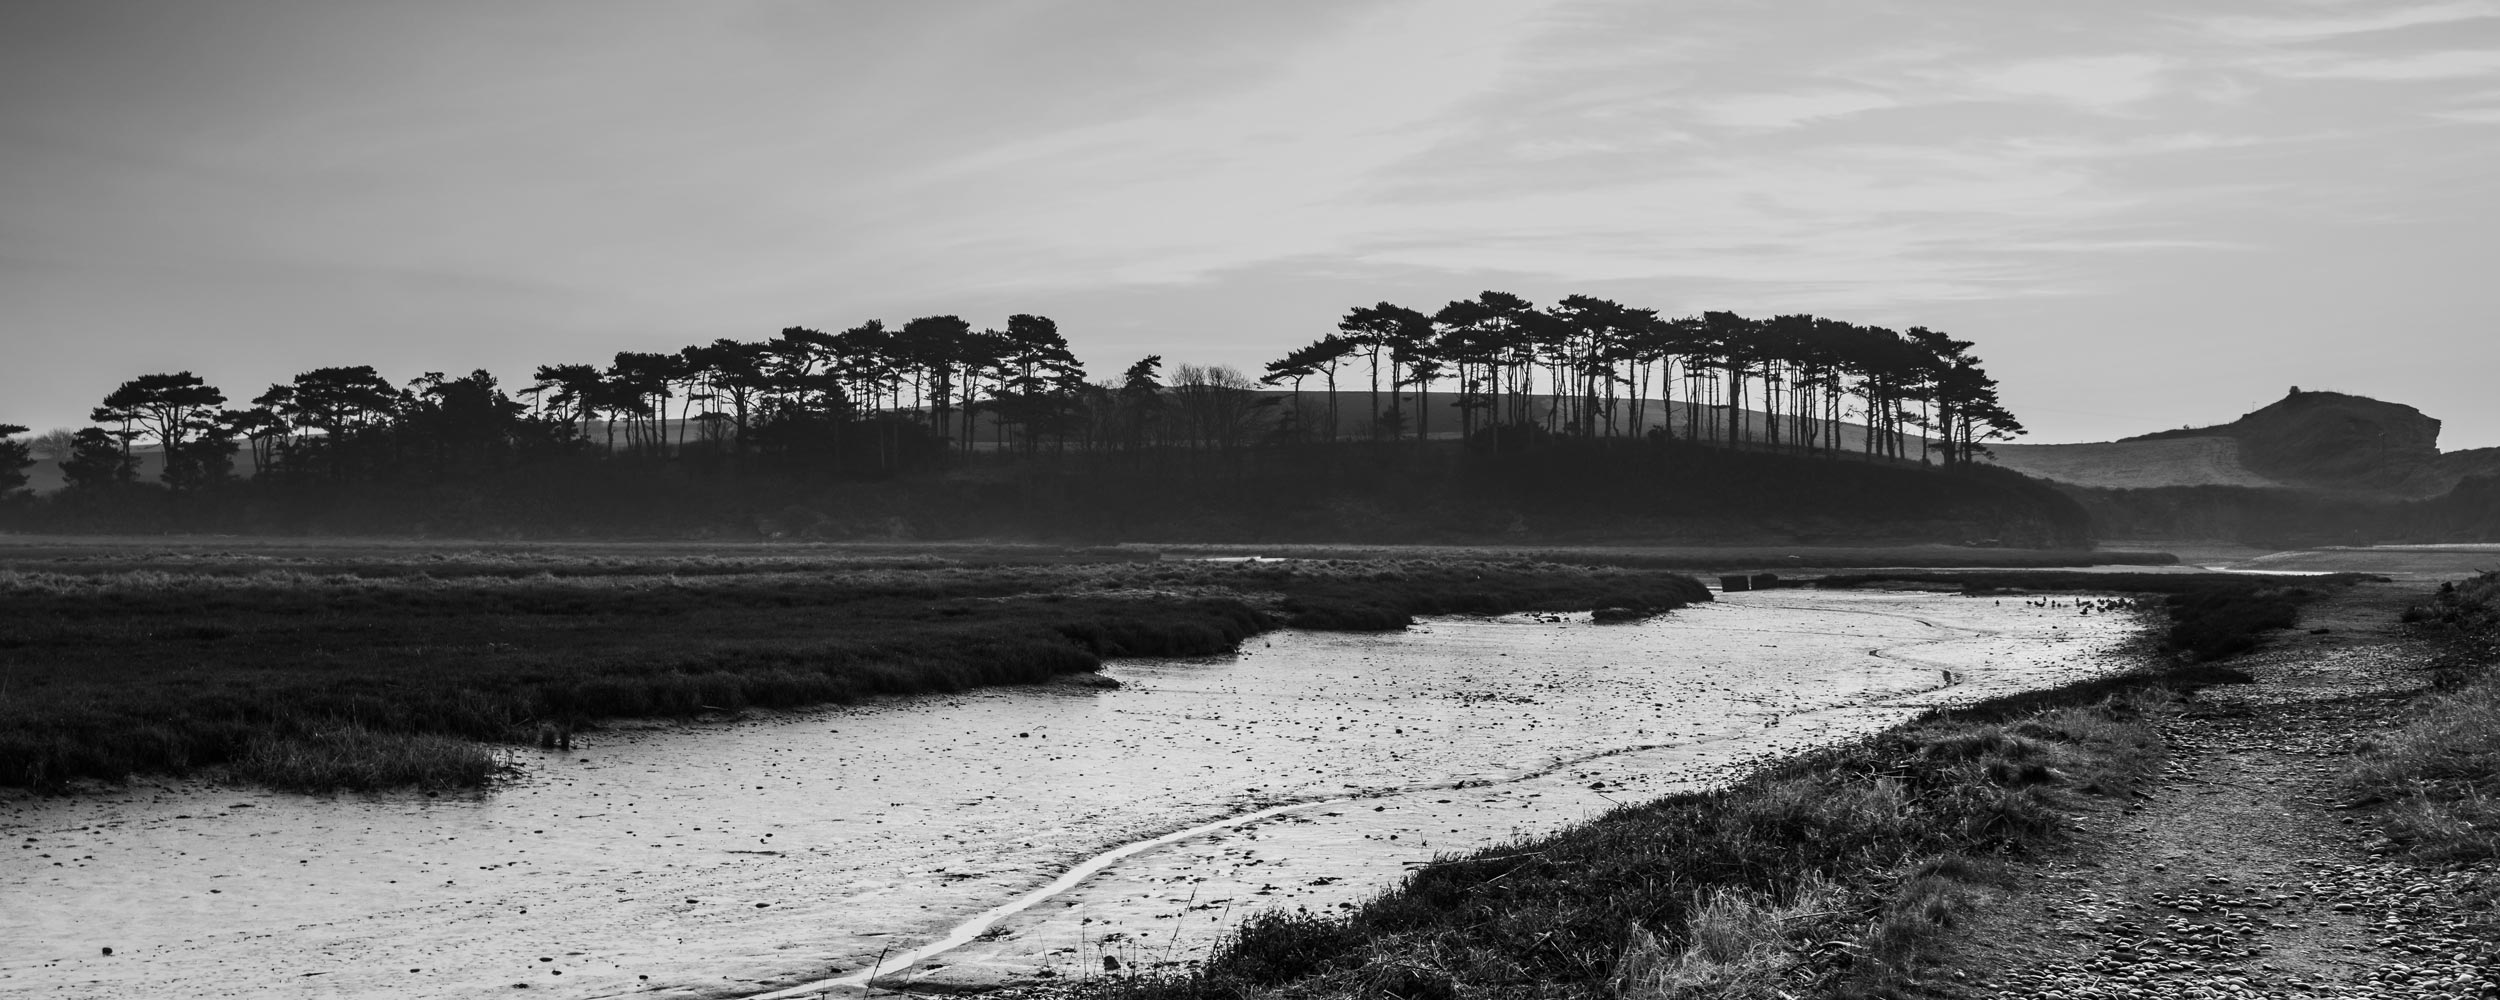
(2241, 873)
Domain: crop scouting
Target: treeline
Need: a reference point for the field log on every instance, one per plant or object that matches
(1593, 368)
(872, 402)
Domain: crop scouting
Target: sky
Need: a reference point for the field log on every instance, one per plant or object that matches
(2146, 215)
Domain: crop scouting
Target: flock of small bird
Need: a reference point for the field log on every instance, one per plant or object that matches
(2085, 605)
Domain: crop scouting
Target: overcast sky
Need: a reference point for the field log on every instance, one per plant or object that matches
(2146, 214)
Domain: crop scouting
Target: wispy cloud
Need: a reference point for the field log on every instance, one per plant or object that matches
(1270, 169)
(1776, 111)
(2099, 83)
(705, 170)
(1507, 159)
(2302, 29)
(2451, 64)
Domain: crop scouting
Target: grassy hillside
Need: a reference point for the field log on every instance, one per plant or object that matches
(2135, 464)
(2332, 440)
(2464, 465)
(1438, 413)
(1441, 415)
(45, 476)
(1392, 492)
(2306, 440)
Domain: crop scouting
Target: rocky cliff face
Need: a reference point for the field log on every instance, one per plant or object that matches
(2337, 441)
(2312, 468)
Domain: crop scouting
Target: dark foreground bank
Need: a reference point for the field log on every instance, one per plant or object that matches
(380, 668)
(1840, 873)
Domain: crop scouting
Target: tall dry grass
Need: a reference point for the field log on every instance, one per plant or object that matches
(2439, 775)
(353, 759)
(1738, 944)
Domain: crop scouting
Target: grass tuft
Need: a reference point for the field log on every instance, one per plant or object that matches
(354, 759)
(2440, 775)
(1910, 928)
(1738, 943)
(1278, 946)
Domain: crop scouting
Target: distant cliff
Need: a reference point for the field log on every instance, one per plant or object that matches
(2310, 468)
(2331, 440)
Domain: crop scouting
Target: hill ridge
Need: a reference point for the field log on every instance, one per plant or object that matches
(2309, 440)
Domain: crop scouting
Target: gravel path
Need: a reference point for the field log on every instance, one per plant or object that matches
(2241, 875)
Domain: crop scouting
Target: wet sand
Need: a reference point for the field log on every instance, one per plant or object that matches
(772, 852)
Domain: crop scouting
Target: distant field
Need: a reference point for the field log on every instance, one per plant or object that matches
(45, 476)
(2133, 465)
(243, 553)
(2404, 562)
(1732, 558)
(398, 556)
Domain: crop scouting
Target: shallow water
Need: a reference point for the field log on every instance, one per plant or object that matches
(778, 851)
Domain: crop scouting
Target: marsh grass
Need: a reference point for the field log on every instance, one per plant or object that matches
(352, 759)
(1741, 944)
(151, 664)
(2223, 621)
(1910, 926)
(2439, 775)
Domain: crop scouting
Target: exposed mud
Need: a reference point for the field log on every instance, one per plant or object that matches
(773, 852)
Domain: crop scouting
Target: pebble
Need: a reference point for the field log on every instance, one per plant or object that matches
(2427, 934)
